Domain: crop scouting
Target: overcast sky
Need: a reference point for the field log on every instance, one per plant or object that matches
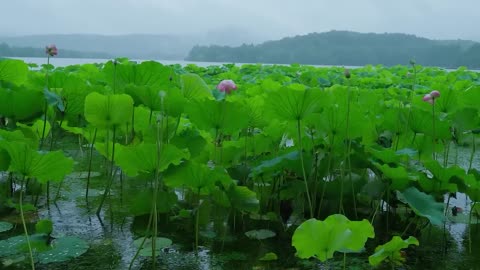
(442, 19)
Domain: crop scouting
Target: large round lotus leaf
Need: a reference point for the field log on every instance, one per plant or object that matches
(146, 251)
(260, 234)
(391, 250)
(211, 115)
(423, 204)
(5, 226)
(13, 71)
(293, 104)
(63, 249)
(197, 176)
(193, 87)
(320, 239)
(50, 166)
(18, 244)
(21, 103)
(142, 158)
(243, 199)
(107, 111)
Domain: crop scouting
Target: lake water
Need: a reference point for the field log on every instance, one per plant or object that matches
(62, 62)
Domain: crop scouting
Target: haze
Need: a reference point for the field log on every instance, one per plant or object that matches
(253, 20)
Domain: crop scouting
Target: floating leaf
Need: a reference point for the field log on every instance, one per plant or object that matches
(260, 234)
(63, 249)
(146, 251)
(5, 226)
(270, 256)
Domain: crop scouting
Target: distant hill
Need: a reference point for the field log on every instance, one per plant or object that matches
(136, 46)
(347, 48)
(165, 47)
(8, 51)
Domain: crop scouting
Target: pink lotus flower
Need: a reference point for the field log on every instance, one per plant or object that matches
(227, 86)
(435, 94)
(51, 50)
(430, 98)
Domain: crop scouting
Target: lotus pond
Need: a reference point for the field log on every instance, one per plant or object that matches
(127, 165)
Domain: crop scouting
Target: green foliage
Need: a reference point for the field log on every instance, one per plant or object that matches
(60, 250)
(108, 111)
(50, 166)
(143, 158)
(270, 256)
(423, 205)
(44, 226)
(5, 226)
(391, 251)
(13, 71)
(321, 239)
(146, 251)
(260, 234)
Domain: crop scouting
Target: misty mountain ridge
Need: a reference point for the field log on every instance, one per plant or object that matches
(135, 46)
(232, 44)
(347, 48)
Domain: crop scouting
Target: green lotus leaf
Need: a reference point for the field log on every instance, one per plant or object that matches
(107, 111)
(423, 204)
(5, 226)
(21, 103)
(44, 226)
(13, 71)
(391, 250)
(261, 234)
(270, 256)
(218, 116)
(320, 239)
(243, 199)
(142, 158)
(63, 249)
(146, 251)
(50, 166)
(194, 87)
(197, 177)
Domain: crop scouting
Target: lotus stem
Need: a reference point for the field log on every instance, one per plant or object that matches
(111, 173)
(22, 216)
(197, 221)
(90, 158)
(473, 152)
(433, 130)
(300, 149)
(470, 228)
(149, 224)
